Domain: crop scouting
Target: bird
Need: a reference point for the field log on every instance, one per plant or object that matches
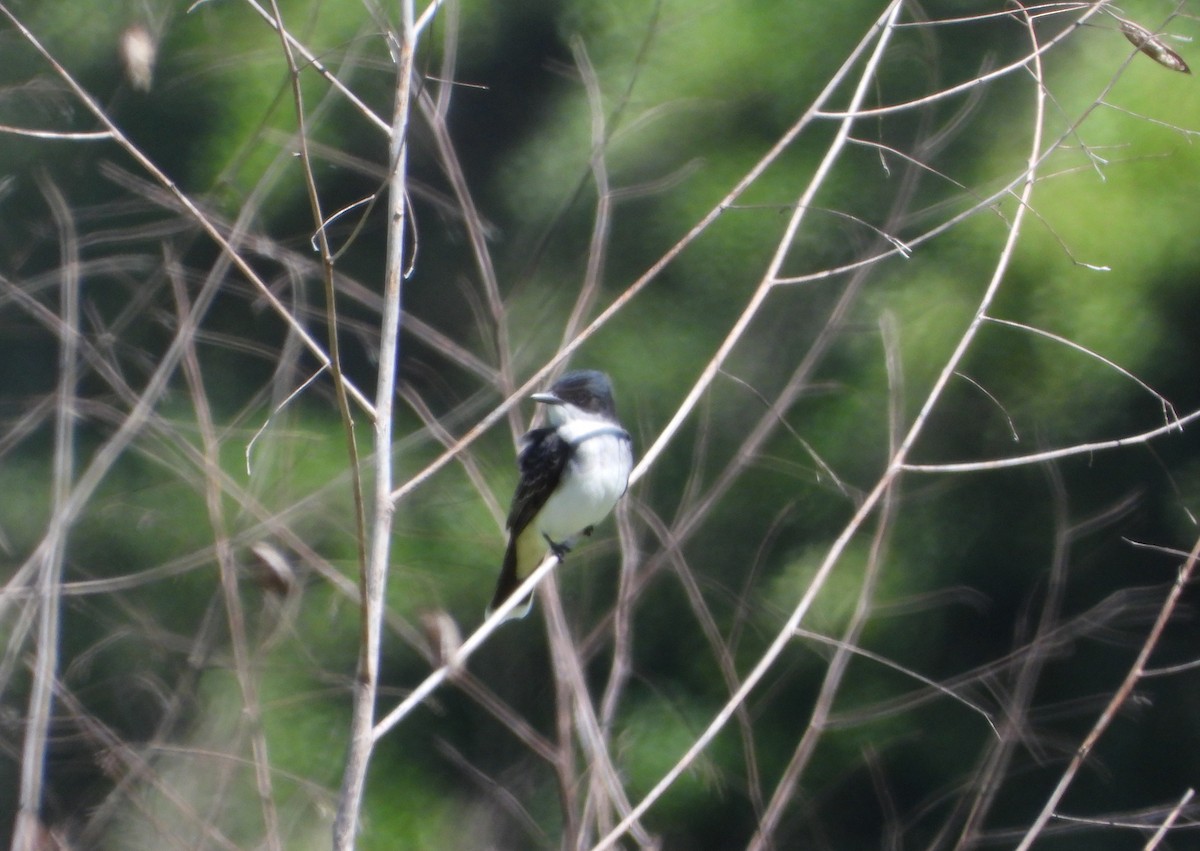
(572, 472)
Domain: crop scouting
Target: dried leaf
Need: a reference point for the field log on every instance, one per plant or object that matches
(1153, 46)
(443, 634)
(272, 570)
(138, 52)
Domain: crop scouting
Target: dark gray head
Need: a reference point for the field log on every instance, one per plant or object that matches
(589, 390)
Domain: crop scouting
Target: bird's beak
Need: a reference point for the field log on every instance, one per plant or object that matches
(546, 398)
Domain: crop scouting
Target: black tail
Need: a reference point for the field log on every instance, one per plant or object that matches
(508, 582)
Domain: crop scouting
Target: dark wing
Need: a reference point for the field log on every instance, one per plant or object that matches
(543, 458)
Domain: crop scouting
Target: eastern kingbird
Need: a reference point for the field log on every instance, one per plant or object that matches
(573, 471)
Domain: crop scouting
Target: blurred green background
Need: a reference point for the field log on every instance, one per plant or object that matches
(150, 744)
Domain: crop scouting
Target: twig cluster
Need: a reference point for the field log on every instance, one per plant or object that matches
(584, 745)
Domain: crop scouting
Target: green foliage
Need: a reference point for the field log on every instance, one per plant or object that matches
(691, 97)
(655, 734)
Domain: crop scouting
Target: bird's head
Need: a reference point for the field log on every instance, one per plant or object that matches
(582, 393)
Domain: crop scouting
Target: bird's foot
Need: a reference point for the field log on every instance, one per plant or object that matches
(560, 550)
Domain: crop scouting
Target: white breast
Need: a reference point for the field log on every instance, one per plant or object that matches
(593, 481)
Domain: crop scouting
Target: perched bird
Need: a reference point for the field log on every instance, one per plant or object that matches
(573, 471)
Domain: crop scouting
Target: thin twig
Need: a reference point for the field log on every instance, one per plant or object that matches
(472, 643)
(836, 671)
(234, 612)
(1054, 454)
(50, 566)
(784, 636)
(601, 226)
(643, 281)
(1169, 821)
(1118, 700)
(603, 774)
(180, 196)
(1169, 414)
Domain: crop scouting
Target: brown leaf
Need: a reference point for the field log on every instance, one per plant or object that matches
(1153, 46)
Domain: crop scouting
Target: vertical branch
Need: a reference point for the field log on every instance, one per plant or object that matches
(476, 236)
(345, 825)
(622, 657)
(605, 792)
(599, 167)
(49, 585)
(561, 649)
(451, 15)
(235, 615)
(331, 316)
(375, 577)
(621, 667)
